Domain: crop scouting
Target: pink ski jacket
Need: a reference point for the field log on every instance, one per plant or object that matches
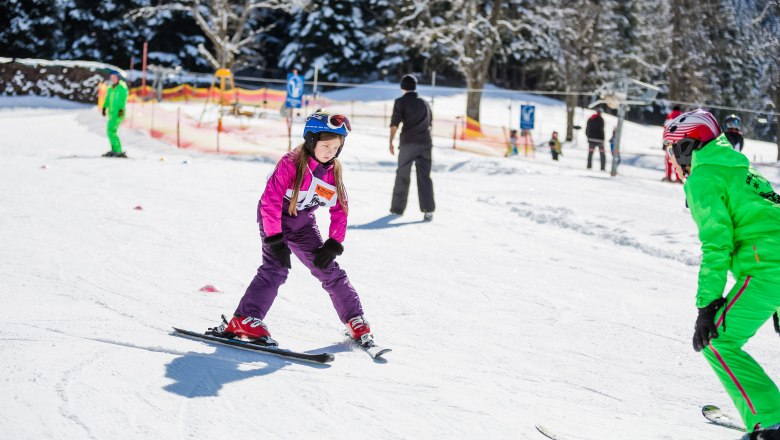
(279, 189)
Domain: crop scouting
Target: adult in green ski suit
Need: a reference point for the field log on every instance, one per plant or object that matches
(738, 216)
(114, 108)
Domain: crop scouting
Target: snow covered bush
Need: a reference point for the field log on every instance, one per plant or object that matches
(71, 82)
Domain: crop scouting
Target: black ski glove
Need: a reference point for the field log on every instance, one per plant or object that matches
(776, 322)
(325, 254)
(279, 249)
(104, 111)
(705, 329)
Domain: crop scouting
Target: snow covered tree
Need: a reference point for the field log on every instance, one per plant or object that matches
(331, 35)
(225, 23)
(468, 32)
(574, 48)
(29, 28)
(97, 30)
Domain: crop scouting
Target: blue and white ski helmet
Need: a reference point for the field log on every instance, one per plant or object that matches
(321, 121)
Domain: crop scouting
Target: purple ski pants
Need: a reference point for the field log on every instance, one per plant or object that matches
(303, 237)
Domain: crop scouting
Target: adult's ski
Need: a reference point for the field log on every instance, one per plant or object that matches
(320, 358)
(718, 417)
(547, 433)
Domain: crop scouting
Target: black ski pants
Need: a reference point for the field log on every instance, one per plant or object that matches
(420, 156)
(592, 145)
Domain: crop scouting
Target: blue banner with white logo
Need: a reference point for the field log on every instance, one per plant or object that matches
(294, 91)
(527, 117)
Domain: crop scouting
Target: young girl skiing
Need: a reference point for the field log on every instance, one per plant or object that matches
(304, 179)
(738, 216)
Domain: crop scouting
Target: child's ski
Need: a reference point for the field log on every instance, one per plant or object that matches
(370, 347)
(374, 350)
(718, 417)
(320, 358)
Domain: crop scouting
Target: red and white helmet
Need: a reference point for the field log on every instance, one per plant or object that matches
(690, 131)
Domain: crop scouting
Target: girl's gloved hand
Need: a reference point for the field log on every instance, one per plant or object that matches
(279, 249)
(325, 254)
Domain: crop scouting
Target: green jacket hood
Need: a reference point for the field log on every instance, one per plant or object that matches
(719, 152)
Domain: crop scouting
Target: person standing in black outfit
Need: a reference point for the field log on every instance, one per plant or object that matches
(594, 130)
(733, 124)
(414, 148)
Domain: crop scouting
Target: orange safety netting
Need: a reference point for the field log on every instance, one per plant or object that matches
(185, 93)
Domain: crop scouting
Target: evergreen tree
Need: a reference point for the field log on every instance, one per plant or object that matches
(330, 35)
(29, 28)
(97, 30)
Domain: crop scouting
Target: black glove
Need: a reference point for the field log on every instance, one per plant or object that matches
(104, 111)
(279, 249)
(705, 329)
(776, 322)
(325, 254)
(121, 112)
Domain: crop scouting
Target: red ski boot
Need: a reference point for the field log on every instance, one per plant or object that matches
(249, 328)
(360, 330)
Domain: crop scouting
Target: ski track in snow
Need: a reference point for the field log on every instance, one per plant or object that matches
(565, 218)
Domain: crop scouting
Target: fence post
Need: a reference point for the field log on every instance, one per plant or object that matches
(219, 128)
(151, 122)
(455, 131)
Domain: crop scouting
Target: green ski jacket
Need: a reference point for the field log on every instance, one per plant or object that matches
(738, 216)
(116, 97)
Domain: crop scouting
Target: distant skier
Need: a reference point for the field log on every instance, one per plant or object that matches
(733, 125)
(304, 179)
(738, 216)
(670, 170)
(594, 130)
(114, 109)
(511, 146)
(555, 146)
(415, 148)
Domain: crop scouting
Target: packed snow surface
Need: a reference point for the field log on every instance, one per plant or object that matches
(541, 293)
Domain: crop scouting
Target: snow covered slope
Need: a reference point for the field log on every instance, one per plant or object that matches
(540, 293)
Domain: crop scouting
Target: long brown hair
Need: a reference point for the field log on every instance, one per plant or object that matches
(301, 157)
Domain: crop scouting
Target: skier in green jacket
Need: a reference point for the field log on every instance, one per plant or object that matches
(114, 108)
(738, 216)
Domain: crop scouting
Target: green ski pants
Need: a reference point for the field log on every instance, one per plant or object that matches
(749, 304)
(113, 137)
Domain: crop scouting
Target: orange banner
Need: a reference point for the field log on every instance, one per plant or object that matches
(259, 97)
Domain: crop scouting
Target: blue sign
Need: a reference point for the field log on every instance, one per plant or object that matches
(294, 91)
(527, 117)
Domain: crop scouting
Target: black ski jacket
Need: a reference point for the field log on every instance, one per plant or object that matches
(414, 113)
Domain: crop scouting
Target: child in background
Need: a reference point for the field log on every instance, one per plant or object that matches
(555, 146)
(511, 147)
(304, 179)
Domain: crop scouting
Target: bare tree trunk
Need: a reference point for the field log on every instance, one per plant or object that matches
(678, 9)
(474, 96)
(571, 105)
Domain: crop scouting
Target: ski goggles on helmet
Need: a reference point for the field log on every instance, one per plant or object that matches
(338, 121)
(732, 124)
